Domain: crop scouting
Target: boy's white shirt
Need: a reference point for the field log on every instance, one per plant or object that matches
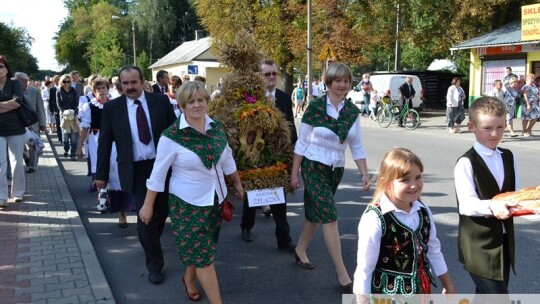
(469, 203)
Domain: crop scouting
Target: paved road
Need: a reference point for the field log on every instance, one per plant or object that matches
(259, 273)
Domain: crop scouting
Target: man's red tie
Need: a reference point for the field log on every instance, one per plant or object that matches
(163, 90)
(142, 124)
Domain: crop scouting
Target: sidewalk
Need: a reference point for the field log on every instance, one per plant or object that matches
(45, 253)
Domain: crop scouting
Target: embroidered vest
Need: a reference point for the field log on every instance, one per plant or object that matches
(480, 239)
(316, 116)
(208, 147)
(401, 253)
(95, 114)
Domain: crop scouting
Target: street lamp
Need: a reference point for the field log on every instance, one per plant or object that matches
(133, 31)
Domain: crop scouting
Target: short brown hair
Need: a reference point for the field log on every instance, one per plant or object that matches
(100, 81)
(486, 105)
(335, 71)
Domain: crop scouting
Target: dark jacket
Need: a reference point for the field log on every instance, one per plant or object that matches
(10, 122)
(115, 127)
(67, 100)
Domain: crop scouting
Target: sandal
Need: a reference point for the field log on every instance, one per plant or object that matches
(195, 296)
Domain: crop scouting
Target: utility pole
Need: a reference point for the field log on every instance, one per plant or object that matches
(397, 63)
(134, 47)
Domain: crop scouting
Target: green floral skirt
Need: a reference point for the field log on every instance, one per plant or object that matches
(196, 231)
(320, 185)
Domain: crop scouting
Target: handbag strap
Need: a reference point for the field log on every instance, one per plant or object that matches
(219, 182)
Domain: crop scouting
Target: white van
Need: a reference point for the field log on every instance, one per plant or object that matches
(391, 82)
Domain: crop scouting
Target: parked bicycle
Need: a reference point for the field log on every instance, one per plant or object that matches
(390, 112)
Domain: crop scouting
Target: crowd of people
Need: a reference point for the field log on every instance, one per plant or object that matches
(143, 141)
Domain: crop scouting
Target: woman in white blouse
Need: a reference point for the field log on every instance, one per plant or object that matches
(196, 149)
(329, 125)
(455, 112)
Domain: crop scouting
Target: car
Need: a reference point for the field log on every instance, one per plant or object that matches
(391, 82)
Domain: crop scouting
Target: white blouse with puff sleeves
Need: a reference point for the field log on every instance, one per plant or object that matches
(190, 180)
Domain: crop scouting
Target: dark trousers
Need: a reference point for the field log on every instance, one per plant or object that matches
(488, 286)
(279, 213)
(58, 129)
(150, 235)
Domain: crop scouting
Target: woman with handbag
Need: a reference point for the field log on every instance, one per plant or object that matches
(12, 132)
(196, 148)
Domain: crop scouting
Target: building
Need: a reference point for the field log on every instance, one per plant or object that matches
(192, 58)
(492, 52)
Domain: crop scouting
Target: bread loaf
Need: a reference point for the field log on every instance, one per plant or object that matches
(526, 198)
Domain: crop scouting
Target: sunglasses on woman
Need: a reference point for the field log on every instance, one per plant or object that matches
(66, 81)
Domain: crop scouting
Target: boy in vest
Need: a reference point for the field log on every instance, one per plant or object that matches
(486, 228)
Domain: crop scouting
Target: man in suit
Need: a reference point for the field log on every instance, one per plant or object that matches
(136, 141)
(53, 107)
(35, 101)
(269, 73)
(76, 83)
(406, 94)
(162, 85)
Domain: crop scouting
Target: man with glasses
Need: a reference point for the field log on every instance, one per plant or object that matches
(269, 74)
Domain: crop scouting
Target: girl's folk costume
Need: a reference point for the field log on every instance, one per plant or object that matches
(399, 248)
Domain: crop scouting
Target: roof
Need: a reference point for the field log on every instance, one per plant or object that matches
(186, 52)
(509, 34)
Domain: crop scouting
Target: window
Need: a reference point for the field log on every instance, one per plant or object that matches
(496, 69)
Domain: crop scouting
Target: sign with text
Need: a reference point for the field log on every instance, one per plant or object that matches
(530, 22)
(257, 198)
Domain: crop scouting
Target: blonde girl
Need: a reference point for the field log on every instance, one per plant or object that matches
(398, 244)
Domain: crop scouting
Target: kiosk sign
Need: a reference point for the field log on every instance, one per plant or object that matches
(530, 22)
(257, 198)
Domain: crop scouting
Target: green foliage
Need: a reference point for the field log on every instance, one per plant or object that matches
(143, 62)
(15, 44)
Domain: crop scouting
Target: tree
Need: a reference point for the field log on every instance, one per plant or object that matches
(15, 44)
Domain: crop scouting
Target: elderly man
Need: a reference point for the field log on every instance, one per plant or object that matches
(35, 101)
(406, 94)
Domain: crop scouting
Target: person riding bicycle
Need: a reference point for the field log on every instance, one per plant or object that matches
(406, 94)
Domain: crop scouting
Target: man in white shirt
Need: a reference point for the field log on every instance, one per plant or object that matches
(136, 137)
(162, 85)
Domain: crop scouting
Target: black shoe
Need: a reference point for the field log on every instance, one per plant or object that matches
(306, 265)
(155, 278)
(290, 247)
(347, 288)
(65, 154)
(31, 170)
(246, 235)
(267, 212)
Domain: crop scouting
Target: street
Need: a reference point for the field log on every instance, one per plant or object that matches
(258, 272)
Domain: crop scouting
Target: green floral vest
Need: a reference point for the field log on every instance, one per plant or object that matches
(316, 116)
(207, 146)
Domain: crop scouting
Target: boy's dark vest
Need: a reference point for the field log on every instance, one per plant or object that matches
(480, 238)
(397, 267)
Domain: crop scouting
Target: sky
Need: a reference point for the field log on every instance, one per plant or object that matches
(41, 19)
